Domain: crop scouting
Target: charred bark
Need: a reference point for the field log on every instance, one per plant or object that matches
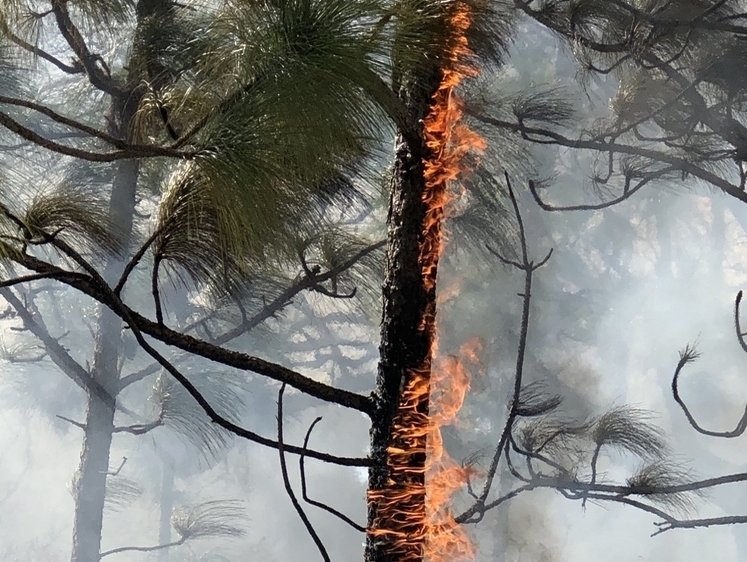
(405, 346)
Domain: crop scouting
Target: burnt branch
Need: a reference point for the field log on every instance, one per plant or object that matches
(286, 481)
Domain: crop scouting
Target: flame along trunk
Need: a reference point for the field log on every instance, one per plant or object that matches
(414, 479)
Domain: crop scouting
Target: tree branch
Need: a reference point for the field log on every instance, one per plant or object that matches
(132, 150)
(268, 311)
(603, 146)
(67, 121)
(88, 60)
(320, 505)
(222, 421)
(528, 267)
(180, 542)
(36, 51)
(286, 481)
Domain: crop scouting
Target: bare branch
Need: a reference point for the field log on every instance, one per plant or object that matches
(696, 523)
(57, 352)
(180, 542)
(139, 428)
(132, 150)
(324, 506)
(528, 267)
(286, 481)
(72, 422)
(121, 466)
(222, 421)
(36, 51)
(546, 136)
(54, 116)
(90, 62)
(154, 289)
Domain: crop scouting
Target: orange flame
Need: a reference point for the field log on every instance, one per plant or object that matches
(414, 514)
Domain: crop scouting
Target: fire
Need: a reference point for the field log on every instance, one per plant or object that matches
(414, 515)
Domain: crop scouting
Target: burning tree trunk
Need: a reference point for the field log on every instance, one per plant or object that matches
(400, 523)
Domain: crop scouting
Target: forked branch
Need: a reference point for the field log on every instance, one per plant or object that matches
(289, 489)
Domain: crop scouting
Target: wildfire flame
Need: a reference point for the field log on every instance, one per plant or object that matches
(414, 511)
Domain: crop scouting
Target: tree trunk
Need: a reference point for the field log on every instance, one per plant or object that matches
(396, 482)
(166, 502)
(90, 479)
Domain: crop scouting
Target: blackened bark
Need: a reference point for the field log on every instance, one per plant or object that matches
(405, 347)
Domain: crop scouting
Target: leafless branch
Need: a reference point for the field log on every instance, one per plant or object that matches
(286, 481)
(121, 466)
(222, 421)
(267, 311)
(58, 118)
(546, 136)
(139, 428)
(528, 267)
(36, 51)
(320, 505)
(90, 62)
(72, 422)
(130, 152)
(180, 542)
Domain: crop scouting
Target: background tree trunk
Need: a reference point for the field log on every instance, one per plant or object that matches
(90, 480)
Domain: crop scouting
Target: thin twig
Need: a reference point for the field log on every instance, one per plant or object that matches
(154, 288)
(72, 422)
(180, 542)
(136, 259)
(324, 506)
(286, 481)
(528, 267)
